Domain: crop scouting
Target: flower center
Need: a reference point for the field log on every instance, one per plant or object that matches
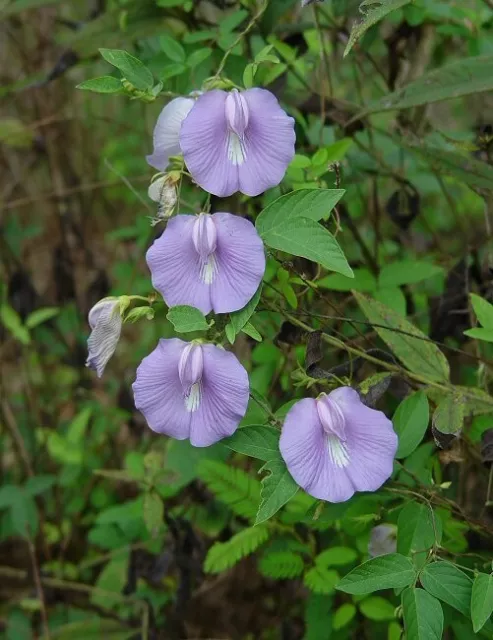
(204, 236)
(190, 370)
(334, 424)
(237, 118)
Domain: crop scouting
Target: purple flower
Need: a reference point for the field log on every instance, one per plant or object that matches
(167, 132)
(106, 323)
(237, 141)
(382, 540)
(207, 261)
(335, 445)
(191, 390)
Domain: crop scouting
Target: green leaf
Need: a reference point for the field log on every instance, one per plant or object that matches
(407, 272)
(41, 315)
(373, 11)
(185, 319)
(377, 608)
(343, 615)
(278, 487)
(318, 607)
(281, 564)
(76, 430)
(104, 84)
(410, 422)
(384, 572)
(232, 486)
(223, 555)
(39, 484)
(250, 330)
(132, 68)
(153, 512)
(481, 600)
(459, 78)
(239, 318)
(423, 615)
(363, 280)
(249, 75)
(336, 556)
(483, 310)
(407, 342)
(110, 582)
(257, 441)
(198, 56)
(448, 417)
(418, 529)
(321, 580)
(315, 204)
(13, 323)
(172, 70)
(9, 493)
(448, 583)
(24, 514)
(173, 49)
(480, 334)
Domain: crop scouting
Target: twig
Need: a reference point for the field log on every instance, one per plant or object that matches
(39, 586)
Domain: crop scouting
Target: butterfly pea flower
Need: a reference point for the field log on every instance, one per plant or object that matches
(211, 262)
(237, 141)
(334, 445)
(166, 135)
(191, 390)
(383, 540)
(105, 321)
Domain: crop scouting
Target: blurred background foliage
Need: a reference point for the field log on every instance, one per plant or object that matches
(104, 527)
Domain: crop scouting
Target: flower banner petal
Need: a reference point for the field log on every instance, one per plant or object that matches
(166, 135)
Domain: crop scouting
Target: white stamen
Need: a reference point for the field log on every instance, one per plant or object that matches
(338, 452)
(209, 269)
(192, 399)
(236, 149)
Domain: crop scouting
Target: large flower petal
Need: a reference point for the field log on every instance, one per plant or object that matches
(204, 143)
(224, 398)
(240, 259)
(166, 135)
(176, 266)
(371, 441)
(158, 392)
(303, 446)
(270, 140)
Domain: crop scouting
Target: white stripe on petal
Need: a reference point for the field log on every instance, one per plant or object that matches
(236, 149)
(209, 269)
(192, 400)
(338, 452)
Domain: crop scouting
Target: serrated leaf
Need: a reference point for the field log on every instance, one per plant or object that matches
(186, 319)
(423, 615)
(321, 580)
(483, 310)
(103, 84)
(257, 441)
(407, 342)
(459, 78)
(391, 571)
(281, 564)
(223, 555)
(131, 67)
(448, 417)
(410, 422)
(278, 487)
(448, 583)
(232, 486)
(481, 600)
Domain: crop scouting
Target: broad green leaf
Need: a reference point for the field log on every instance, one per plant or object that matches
(173, 49)
(481, 600)
(363, 280)
(277, 488)
(185, 319)
(132, 68)
(373, 11)
(9, 494)
(459, 78)
(308, 239)
(153, 512)
(448, 417)
(36, 485)
(483, 311)
(407, 342)
(251, 331)
(343, 615)
(321, 580)
(336, 556)
(104, 84)
(423, 615)
(257, 441)
(377, 608)
(24, 514)
(315, 204)
(13, 323)
(41, 315)
(238, 319)
(480, 334)
(448, 583)
(407, 272)
(418, 529)
(392, 298)
(110, 581)
(410, 422)
(392, 570)
(198, 56)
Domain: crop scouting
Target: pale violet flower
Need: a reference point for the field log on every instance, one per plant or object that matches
(191, 391)
(334, 446)
(383, 540)
(237, 141)
(212, 262)
(166, 135)
(106, 323)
